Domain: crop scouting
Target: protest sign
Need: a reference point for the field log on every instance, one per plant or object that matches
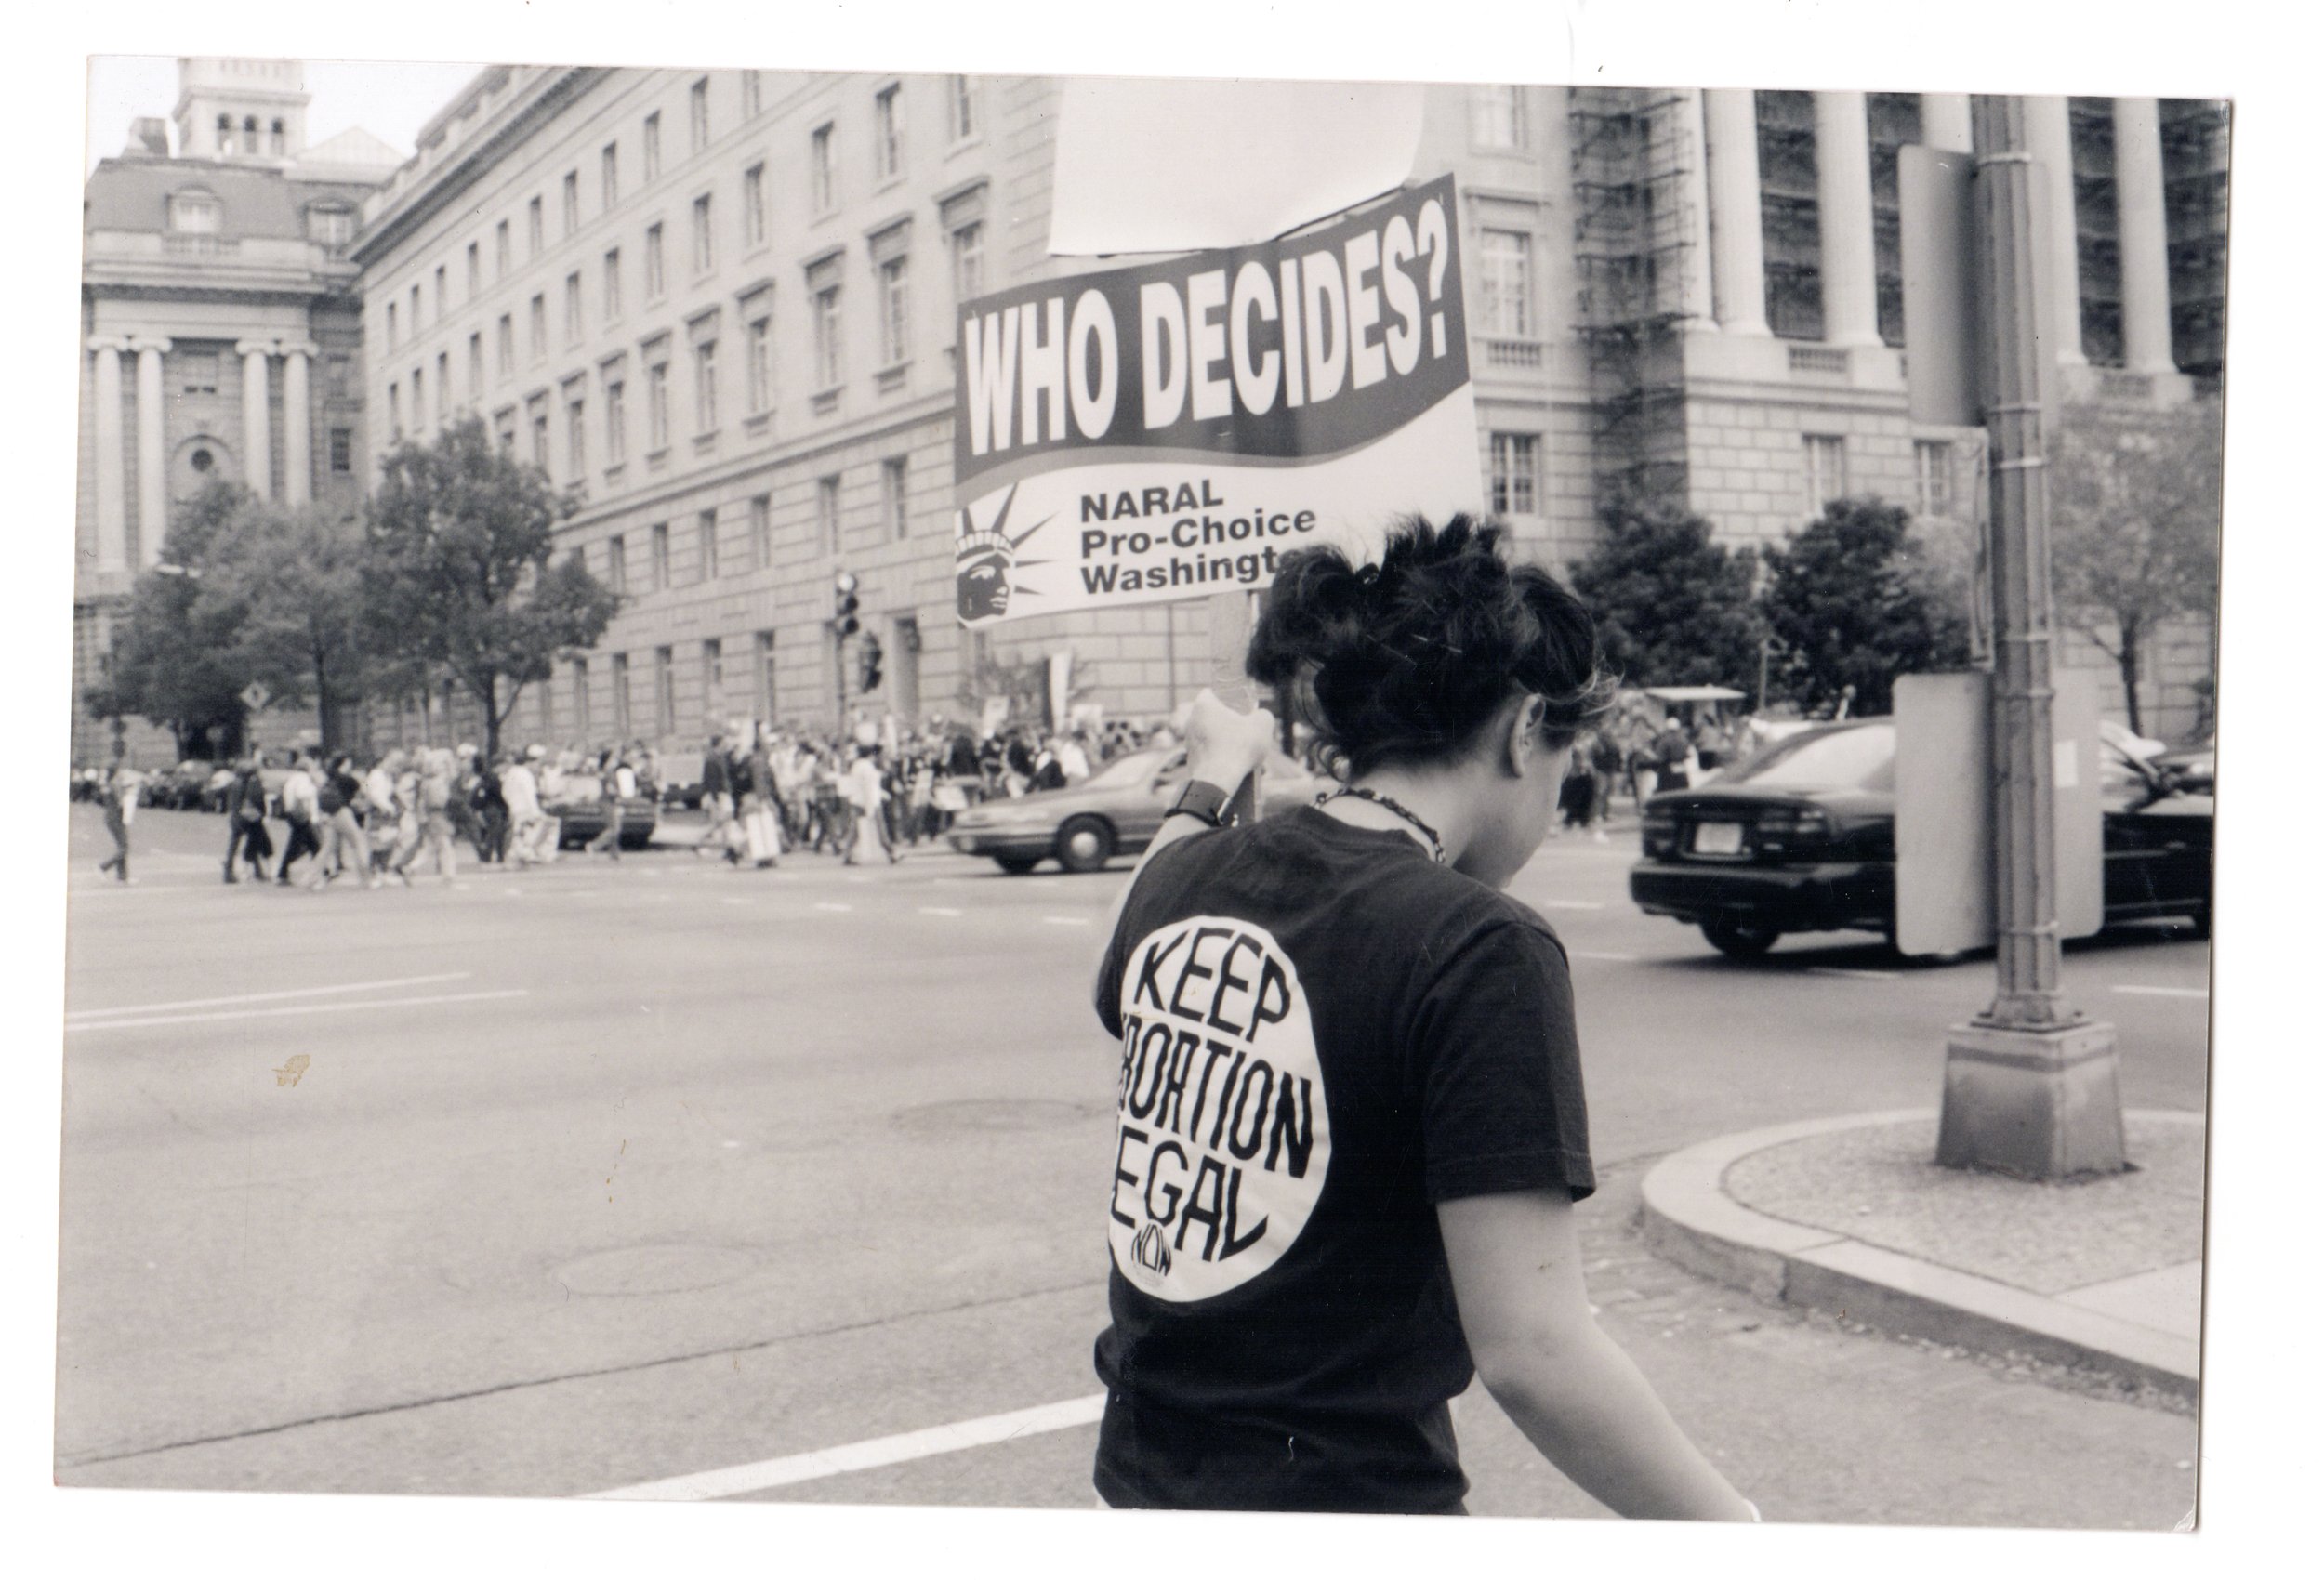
(1171, 430)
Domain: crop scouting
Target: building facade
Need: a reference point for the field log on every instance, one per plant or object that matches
(222, 337)
(719, 308)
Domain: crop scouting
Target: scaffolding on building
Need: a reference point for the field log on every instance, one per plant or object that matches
(1634, 228)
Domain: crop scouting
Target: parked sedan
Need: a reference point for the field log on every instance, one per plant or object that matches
(1802, 838)
(581, 816)
(1114, 812)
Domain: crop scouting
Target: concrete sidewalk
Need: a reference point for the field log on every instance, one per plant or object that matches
(1852, 1216)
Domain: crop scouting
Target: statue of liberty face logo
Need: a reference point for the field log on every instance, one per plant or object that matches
(983, 561)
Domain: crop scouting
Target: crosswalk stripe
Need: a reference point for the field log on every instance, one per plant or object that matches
(2165, 991)
(79, 1015)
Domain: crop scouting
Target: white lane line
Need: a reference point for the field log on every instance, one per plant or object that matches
(735, 900)
(938, 911)
(736, 1480)
(267, 997)
(2167, 991)
(294, 1009)
(1067, 921)
(1571, 904)
(1597, 954)
(1845, 971)
(832, 905)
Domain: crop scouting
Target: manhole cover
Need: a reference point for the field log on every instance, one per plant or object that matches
(653, 1269)
(994, 1114)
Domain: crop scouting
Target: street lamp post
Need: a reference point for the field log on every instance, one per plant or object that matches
(2032, 1086)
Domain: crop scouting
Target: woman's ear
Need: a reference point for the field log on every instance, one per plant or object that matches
(1522, 739)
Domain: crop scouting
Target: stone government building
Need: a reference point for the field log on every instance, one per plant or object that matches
(717, 307)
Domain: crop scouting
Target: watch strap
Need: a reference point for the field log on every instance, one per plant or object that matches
(1199, 798)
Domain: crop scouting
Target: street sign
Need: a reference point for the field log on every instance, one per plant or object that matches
(254, 697)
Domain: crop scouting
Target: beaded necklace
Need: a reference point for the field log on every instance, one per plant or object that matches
(1389, 804)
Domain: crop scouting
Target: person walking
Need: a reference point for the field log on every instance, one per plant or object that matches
(341, 800)
(491, 808)
(121, 811)
(246, 818)
(865, 794)
(521, 790)
(717, 799)
(1606, 765)
(1350, 1123)
(1671, 750)
(616, 783)
(299, 811)
(433, 798)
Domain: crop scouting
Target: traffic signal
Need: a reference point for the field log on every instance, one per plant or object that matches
(871, 664)
(843, 605)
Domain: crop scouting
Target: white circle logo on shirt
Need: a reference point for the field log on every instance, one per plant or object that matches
(1222, 1137)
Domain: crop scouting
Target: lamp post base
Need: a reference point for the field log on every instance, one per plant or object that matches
(2032, 1104)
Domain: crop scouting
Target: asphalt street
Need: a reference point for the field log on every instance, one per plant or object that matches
(558, 1182)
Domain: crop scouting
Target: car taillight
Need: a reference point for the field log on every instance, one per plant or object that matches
(1658, 834)
(1792, 831)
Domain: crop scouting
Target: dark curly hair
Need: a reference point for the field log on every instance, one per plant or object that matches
(1407, 661)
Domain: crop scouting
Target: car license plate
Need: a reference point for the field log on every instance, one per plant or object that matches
(1718, 839)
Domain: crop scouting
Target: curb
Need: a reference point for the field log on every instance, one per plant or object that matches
(1690, 1220)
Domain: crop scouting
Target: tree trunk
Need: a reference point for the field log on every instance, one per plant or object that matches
(489, 696)
(2126, 660)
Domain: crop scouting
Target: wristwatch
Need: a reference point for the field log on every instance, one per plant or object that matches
(1203, 800)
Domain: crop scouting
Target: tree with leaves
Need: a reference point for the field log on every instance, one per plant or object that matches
(2135, 518)
(1853, 600)
(461, 568)
(297, 576)
(1673, 608)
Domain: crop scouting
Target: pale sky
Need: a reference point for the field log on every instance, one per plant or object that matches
(388, 99)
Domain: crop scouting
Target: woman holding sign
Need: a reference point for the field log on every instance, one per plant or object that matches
(1351, 1130)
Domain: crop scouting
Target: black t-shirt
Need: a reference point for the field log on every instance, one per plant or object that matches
(1323, 1035)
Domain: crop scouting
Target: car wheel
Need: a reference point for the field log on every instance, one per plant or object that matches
(1016, 867)
(1085, 844)
(1740, 939)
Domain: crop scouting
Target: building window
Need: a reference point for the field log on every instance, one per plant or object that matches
(761, 532)
(665, 692)
(653, 273)
(444, 298)
(828, 514)
(342, 451)
(444, 385)
(504, 432)
(1497, 117)
(658, 562)
(535, 234)
(651, 154)
(475, 365)
(226, 136)
(888, 132)
(193, 213)
(968, 261)
(707, 534)
(1932, 476)
(895, 311)
(819, 169)
(893, 506)
(581, 697)
(754, 206)
(540, 328)
(703, 250)
(577, 437)
(706, 386)
(571, 187)
(657, 405)
(960, 100)
(759, 364)
(829, 364)
(698, 112)
(475, 270)
(338, 377)
(1516, 463)
(713, 677)
(415, 306)
(1826, 456)
(197, 372)
(573, 309)
(274, 138)
(395, 411)
(763, 672)
(500, 250)
(507, 346)
(391, 334)
(1505, 268)
(541, 435)
(609, 175)
(419, 399)
(617, 564)
(616, 425)
(612, 286)
(621, 696)
(331, 225)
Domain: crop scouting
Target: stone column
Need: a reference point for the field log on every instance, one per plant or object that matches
(1738, 250)
(1694, 186)
(1843, 206)
(109, 482)
(2050, 142)
(297, 425)
(2143, 236)
(258, 446)
(1944, 122)
(153, 452)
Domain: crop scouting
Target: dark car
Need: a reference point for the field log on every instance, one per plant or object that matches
(178, 789)
(1114, 812)
(1802, 838)
(581, 815)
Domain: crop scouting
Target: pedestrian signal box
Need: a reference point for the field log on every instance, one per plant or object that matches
(844, 605)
